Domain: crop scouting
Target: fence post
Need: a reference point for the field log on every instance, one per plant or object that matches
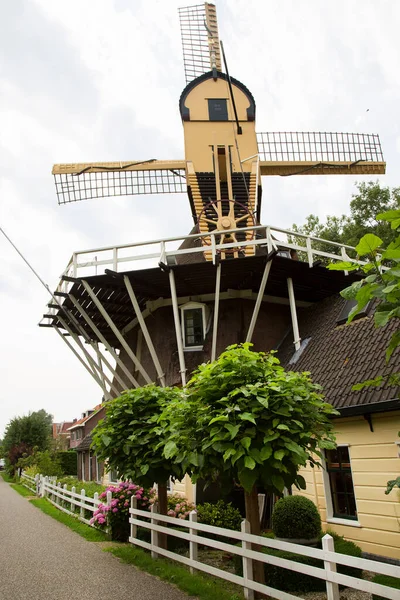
(65, 488)
(193, 547)
(73, 490)
(154, 534)
(133, 531)
(43, 489)
(332, 589)
(82, 510)
(108, 502)
(58, 498)
(247, 562)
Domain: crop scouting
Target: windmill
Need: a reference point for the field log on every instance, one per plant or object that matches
(224, 156)
(242, 276)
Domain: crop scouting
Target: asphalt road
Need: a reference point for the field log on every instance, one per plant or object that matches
(41, 559)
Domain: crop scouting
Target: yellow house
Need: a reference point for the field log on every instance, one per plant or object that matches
(349, 490)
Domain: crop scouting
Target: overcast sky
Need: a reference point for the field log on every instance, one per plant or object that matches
(100, 80)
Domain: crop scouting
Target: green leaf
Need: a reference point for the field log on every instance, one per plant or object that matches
(106, 440)
(144, 469)
(170, 449)
(279, 454)
(249, 463)
(246, 442)
(247, 417)
(283, 427)
(220, 418)
(381, 317)
(263, 400)
(233, 429)
(368, 244)
(230, 452)
(343, 266)
(393, 216)
(394, 342)
(247, 479)
(301, 482)
(266, 452)
(278, 482)
(275, 422)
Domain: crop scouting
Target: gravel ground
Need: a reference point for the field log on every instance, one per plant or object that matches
(41, 559)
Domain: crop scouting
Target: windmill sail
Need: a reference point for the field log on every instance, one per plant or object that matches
(200, 41)
(76, 182)
(320, 153)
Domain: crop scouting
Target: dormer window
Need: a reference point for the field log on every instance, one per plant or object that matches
(348, 307)
(194, 325)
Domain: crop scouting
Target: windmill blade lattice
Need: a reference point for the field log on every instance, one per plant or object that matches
(77, 182)
(200, 41)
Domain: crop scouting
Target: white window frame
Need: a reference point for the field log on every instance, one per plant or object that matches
(205, 316)
(328, 494)
(109, 476)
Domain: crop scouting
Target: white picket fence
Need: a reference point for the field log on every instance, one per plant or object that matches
(69, 501)
(157, 523)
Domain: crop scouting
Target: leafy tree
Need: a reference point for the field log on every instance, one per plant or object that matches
(23, 434)
(370, 200)
(381, 283)
(247, 419)
(132, 440)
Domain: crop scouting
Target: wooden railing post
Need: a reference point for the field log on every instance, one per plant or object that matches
(82, 510)
(154, 534)
(247, 562)
(193, 546)
(96, 499)
(73, 490)
(332, 589)
(108, 502)
(133, 528)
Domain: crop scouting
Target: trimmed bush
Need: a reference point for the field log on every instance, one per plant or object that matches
(220, 514)
(292, 581)
(392, 582)
(296, 517)
(68, 461)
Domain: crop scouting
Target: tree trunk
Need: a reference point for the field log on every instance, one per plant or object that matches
(253, 516)
(163, 508)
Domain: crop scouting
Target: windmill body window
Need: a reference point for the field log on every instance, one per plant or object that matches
(348, 307)
(194, 325)
(217, 109)
(341, 487)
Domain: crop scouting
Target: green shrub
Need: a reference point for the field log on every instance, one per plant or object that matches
(293, 581)
(392, 582)
(296, 517)
(68, 461)
(220, 514)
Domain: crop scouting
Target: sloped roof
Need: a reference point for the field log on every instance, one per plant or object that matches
(338, 356)
(85, 443)
(81, 422)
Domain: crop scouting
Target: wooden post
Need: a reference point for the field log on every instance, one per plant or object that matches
(44, 488)
(247, 562)
(133, 533)
(332, 589)
(193, 547)
(73, 490)
(162, 509)
(253, 516)
(95, 498)
(82, 510)
(108, 502)
(154, 534)
(65, 488)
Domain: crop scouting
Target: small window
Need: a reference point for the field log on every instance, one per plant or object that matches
(194, 325)
(113, 476)
(341, 483)
(217, 109)
(348, 307)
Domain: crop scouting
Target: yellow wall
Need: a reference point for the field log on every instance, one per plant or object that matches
(374, 461)
(201, 134)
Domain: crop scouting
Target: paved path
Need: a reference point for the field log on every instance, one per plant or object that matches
(41, 559)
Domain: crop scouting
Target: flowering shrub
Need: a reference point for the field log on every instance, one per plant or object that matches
(116, 515)
(178, 506)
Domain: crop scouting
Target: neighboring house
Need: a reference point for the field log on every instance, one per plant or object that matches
(89, 468)
(61, 434)
(350, 490)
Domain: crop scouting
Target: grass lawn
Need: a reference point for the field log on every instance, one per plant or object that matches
(7, 478)
(89, 533)
(201, 586)
(21, 489)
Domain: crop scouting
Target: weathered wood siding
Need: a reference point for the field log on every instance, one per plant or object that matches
(374, 461)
